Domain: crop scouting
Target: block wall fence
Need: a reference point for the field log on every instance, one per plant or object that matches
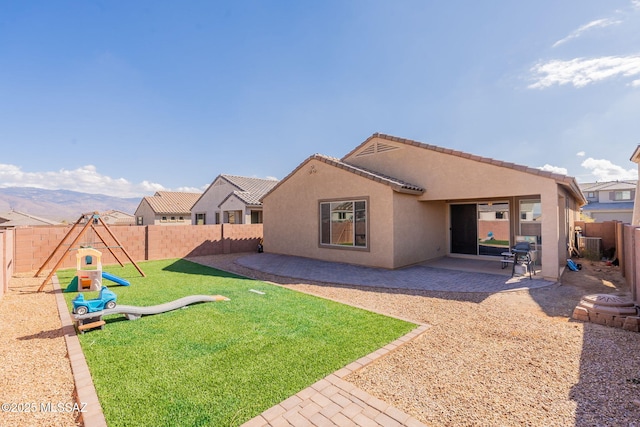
(33, 245)
(605, 230)
(24, 250)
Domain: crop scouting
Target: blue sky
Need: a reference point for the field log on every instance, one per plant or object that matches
(126, 98)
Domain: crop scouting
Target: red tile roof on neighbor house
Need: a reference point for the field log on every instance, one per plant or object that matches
(172, 202)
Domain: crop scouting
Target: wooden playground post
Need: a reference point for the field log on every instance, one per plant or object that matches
(90, 217)
(105, 243)
(106, 227)
(53, 270)
(58, 247)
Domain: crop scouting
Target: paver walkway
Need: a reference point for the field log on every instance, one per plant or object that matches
(335, 402)
(420, 277)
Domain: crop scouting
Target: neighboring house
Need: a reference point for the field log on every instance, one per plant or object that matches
(166, 208)
(232, 199)
(114, 217)
(609, 201)
(13, 219)
(393, 202)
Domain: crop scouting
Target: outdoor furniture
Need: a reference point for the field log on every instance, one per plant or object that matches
(522, 256)
(507, 258)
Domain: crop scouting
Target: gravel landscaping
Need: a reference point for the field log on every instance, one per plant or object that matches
(509, 359)
(36, 384)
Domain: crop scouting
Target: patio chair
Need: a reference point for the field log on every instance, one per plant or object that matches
(522, 256)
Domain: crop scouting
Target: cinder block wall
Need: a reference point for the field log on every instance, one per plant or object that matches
(242, 237)
(178, 242)
(631, 259)
(605, 230)
(33, 245)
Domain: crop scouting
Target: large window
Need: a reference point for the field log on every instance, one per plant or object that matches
(493, 228)
(622, 195)
(233, 217)
(344, 223)
(530, 219)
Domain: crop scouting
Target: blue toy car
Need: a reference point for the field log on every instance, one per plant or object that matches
(106, 299)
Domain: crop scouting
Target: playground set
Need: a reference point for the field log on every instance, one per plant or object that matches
(89, 277)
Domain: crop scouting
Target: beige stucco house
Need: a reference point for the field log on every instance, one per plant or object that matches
(609, 200)
(166, 208)
(232, 199)
(115, 217)
(393, 202)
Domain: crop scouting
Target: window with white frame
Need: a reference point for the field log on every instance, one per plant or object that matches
(622, 195)
(343, 223)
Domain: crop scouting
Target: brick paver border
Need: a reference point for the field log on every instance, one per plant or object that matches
(92, 415)
(332, 401)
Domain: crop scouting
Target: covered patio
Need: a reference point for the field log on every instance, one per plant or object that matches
(449, 274)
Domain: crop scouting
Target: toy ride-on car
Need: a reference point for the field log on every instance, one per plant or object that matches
(106, 300)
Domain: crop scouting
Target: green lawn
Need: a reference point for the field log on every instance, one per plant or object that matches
(218, 363)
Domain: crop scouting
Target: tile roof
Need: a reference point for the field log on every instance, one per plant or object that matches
(15, 218)
(608, 206)
(609, 185)
(172, 202)
(396, 184)
(252, 189)
(251, 199)
(249, 190)
(567, 181)
(635, 157)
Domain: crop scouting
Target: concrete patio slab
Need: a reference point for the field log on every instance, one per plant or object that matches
(426, 276)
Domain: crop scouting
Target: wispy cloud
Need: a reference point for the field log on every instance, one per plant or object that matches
(582, 71)
(554, 169)
(604, 170)
(85, 179)
(581, 154)
(598, 23)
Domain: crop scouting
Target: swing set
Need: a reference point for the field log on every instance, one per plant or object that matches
(89, 231)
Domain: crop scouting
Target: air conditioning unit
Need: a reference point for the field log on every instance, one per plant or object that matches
(590, 246)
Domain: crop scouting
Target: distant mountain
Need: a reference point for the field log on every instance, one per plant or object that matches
(62, 205)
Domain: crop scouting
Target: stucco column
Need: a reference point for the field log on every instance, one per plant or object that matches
(550, 233)
(635, 219)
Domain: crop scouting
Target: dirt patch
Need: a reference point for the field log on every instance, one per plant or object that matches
(596, 277)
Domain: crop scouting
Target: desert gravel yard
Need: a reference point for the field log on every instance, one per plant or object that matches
(36, 384)
(505, 359)
(508, 359)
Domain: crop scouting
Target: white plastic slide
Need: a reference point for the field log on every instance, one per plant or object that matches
(133, 312)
